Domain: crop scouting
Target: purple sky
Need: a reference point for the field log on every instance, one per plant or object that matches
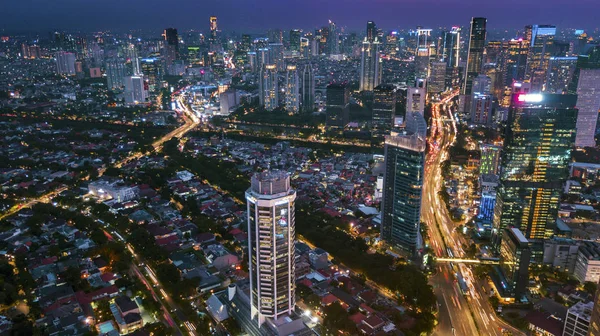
(254, 15)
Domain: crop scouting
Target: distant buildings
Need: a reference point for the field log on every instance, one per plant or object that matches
(65, 63)
(338, 99)
(588, 103)
(384, 107)
(271, 237)
(268, 87)
(475, 56)
(135, 90)
(308, 89)
(490, 159)
(403, 185)
(115, 74)
(541, 38)
(415, 100)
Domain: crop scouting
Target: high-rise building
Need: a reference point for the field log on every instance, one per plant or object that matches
(268, 87)
(451, 47)
(516, 255)
(333, 39)
(490, 159)
(589, 61)
(65, 63)
(152, 70)
(475, 56)
(371, 31)
(403, 185)
(482, 107)
(337, 108)
(135, 90)
(271, 245)
(437, 77)
(577, 322)
(391, 44)
(541, 38)
(560, 73)
(246, 44)
(384, 107)
(588, 103)
(30, 51)
(115, 73)
(171, 38)
(213, 29)
(308, 89)
(539, 139)
(276, 55)
(292, 90)
(370, 70)
(515, 60)
(415, 100)
(422, 53)
(595, 318)
(295, 35)
(132, 60)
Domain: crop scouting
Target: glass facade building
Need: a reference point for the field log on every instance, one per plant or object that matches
(271, 249)
(539, 139)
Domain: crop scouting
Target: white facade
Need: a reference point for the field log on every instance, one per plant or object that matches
(112, 190)
(268, 90)
(135, 91)
(65, 63)
(415, 100)
(578, 318)
(370, 68)
(271, 238)
(588, 103)
(292, 91)
(587, 267)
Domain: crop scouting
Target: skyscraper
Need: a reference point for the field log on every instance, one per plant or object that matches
(65, 63)
(541, 38)
(451, 47)
(132, 60)
(475, 56)
(370, 75)
(437, 77)
(403, 184)
(115, 73)
(415, 100)
(537, 151)
(516, 256)
(595, 318)
(135, 90)
(588, 103)
(559, 74)
(271, 249)
(333, 39)
(268, 87)
(384, 107)
(515, 60)
(152, 71)
(338, 98)
(292, 90)
(490, 159)
(295, 35)
(422, 53)
(371, 31)
(276, 55)
(171, 38)
(213, 29)
(308, 89)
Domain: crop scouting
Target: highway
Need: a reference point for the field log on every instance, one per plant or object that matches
(466, 310)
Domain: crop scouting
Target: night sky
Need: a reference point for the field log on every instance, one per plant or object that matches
(256, 16)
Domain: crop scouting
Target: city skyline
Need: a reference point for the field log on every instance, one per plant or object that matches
(235, 16)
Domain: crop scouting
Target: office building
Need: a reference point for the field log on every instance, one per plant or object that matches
(337, 108)
(30, 51)
(132, 60)
(370, 69)
(276, 55)
(403, 185)
(475, 55)
(171, 38)
(578, 319)
(560, 74)
(588, 103)
(451, 47)
(228, 101)
(271, 245)
(541, 40)
(516, 255)
(371, 31)
(292, 90)
(213, 29)
(486, 207)
(422, 53)
(490, 159)
(415, 100)
(65, 63)
(560, 253)
(384, 107)
(333, 39)
(391, 44)
(152, 70)
(115, 74)
(308, 89)
(595, 318)
(537, 151)
(587, 264)
(135, 90)
(437, 77)
(268, 87)
(482, 109)
(515, 60)
(295, 35)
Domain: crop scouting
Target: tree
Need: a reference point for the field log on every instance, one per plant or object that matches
(590, 287)
(337, 318)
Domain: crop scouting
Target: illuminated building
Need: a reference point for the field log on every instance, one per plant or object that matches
(171, 38)
(514, 65)
(370, 69)
(595, 318)
(152, 71)
(65, 63)
(415, 100)
(213, 28)
(384, 107)
(292, 90)
(577, 322)
(537, 150)
(276, 55)
(514, 269)
(115, 73)
(391, 44)
(560, 73)
(371, 31)
(588, 103)
(490, 159)
(135, 90)
(246, 44)
(268, 87)
(132, 60)
(337, 108)
(30, 51)
(263, 57)
(482, 106)
(451, 47)
(295, 35)
(437, 77)
(475, 56)
(541, 38)
(422, 53)
(333, 40)
(308, 89)
(271, 245)
(403, 185)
